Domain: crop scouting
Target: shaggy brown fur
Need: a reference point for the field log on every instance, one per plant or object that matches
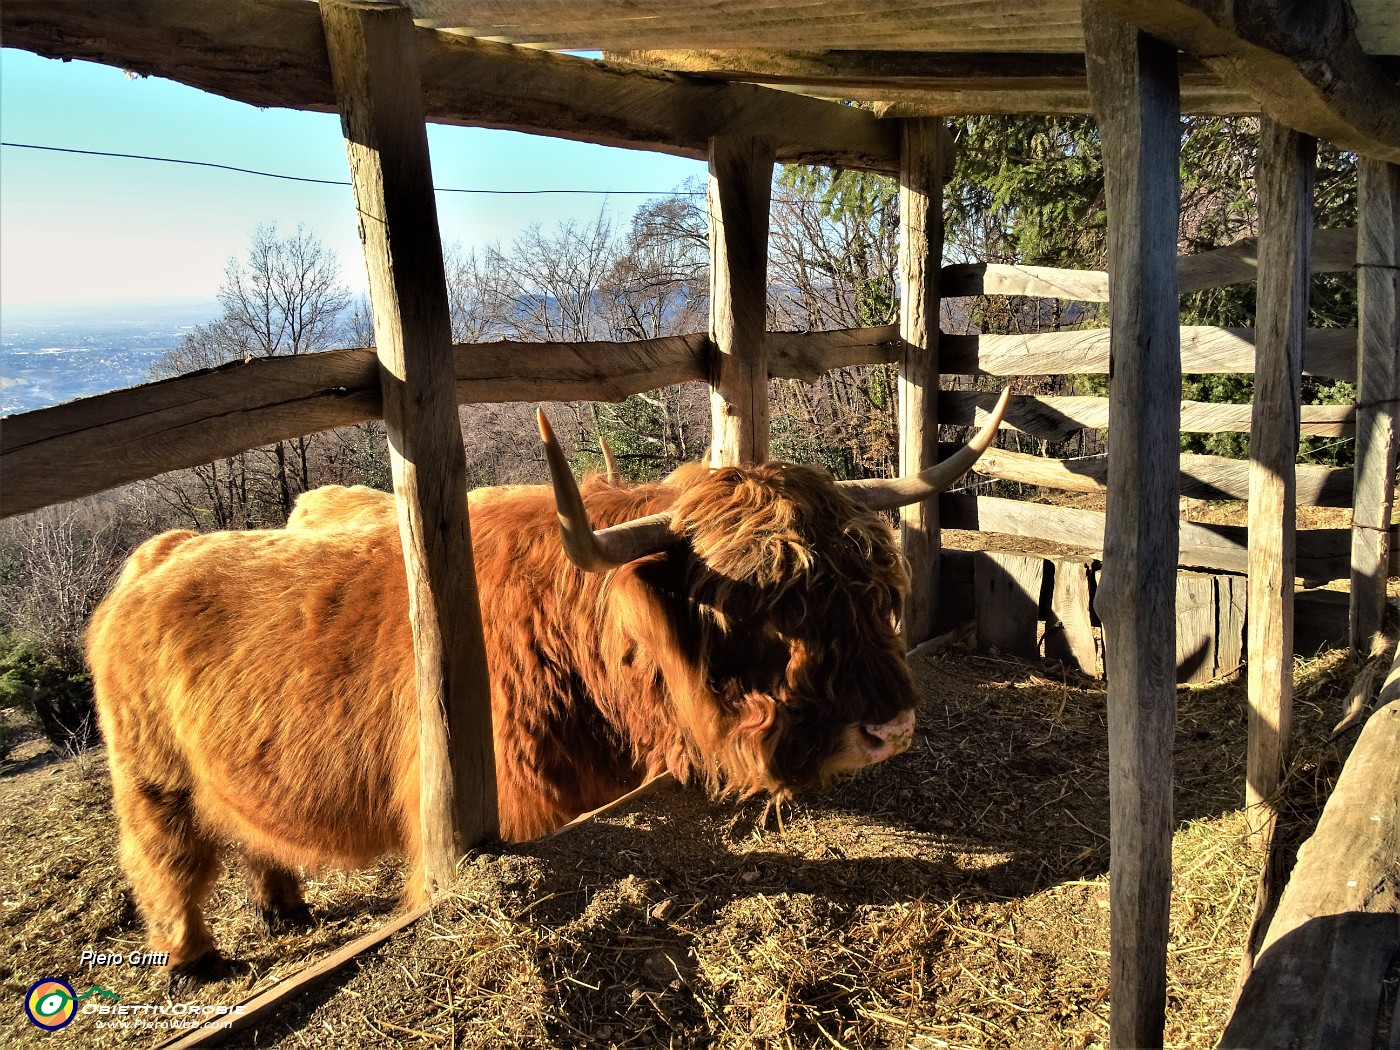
(259, 686)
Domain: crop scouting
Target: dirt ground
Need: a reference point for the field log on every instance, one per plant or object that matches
(953, 897)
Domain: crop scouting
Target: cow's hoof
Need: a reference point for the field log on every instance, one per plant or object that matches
(284, 918)
(211, 966)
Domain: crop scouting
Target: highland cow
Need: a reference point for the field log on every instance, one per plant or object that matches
(739, 631)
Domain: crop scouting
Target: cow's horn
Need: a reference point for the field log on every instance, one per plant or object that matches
(607, 548)
(609, 461)
(884, 494)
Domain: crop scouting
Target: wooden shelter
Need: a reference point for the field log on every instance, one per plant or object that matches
(746, 83)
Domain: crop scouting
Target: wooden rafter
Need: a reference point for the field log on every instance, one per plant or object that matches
(1302, 61)
(273, 53)
(913, 83)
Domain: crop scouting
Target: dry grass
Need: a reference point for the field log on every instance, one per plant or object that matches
(955, 897)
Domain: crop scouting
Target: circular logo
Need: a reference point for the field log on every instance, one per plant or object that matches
(51, 1003)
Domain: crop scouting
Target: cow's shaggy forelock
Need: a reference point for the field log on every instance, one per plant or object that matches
(796, 590)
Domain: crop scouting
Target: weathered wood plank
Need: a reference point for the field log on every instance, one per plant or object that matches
(1133, 87)
(1060, 418)
(1323, 554)
(272, 53)
(924, 165)
(740, 192)
(1330, 352)
(1195, 627)
(1333, 250)
(1302, 61)
(634, 24)
(1069, 630)
(1007, 601)
(1320, 980)
(932, 83)
(1378, 392)
(374, 66)
(1231, 606)
(1285, 180)
(1202, 477)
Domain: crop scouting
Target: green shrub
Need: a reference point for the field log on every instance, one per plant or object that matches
(57, 692)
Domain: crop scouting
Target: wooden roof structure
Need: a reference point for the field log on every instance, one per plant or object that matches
(745, 83)
(1328, 68)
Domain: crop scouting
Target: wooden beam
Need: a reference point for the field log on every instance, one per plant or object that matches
(739, 195)
(1324, 978)
(925, 163)
(1060, 418)
(273, 53)
(1329, 352)
(1285, 178)
(1302, 61)
(1323, 554)
(1202, 477)
(1377, 396)
(1333, 251)
(374, 65)
(1133, 84)
(128, 435)
(931, 83)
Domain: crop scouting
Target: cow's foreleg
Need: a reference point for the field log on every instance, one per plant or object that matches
(172, 865)
(276, 892)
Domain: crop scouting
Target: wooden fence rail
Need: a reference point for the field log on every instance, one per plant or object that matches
(128, 435)
(1333, 251)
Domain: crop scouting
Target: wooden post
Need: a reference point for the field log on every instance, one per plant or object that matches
(740, 191)
(1285, 177)
(1378, 388)
(374, 65)
(1134, 91)
(925, 156)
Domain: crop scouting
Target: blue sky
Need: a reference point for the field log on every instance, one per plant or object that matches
(82, 229)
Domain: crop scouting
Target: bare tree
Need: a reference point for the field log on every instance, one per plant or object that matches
(285, 297)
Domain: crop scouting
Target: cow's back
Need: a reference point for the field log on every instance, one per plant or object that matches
(270, 676)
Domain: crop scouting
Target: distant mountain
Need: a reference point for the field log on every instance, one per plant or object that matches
(50, 353)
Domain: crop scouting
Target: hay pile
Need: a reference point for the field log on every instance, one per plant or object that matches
(955, 897)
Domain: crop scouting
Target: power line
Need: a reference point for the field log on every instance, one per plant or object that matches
(334, 182)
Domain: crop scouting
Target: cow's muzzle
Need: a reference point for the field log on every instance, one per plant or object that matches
(888, 738)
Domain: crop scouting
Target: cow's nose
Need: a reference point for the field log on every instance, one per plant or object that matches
(888, 739)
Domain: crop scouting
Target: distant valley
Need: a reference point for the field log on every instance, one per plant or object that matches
(50, 354)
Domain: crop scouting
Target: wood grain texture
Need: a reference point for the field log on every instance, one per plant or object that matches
(1284, 179)
(1133, 85)
(1329, 352)
(739, 195)
(1059, 418)
(1007, 602)
(1323, 554)
(1202, 477)
(925, 160)
(931, 83)
(1069, 630)
(1321, 978)
(1195, 627)
(374, 66)
(1378, 394)
(272, 53)
(1301, 60)
(127, 435)
(1333, 251)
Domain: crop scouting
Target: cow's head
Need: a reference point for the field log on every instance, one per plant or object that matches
(780, 592)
